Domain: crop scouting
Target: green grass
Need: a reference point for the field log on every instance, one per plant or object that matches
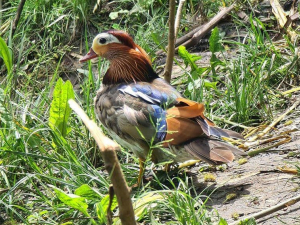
(34, 158)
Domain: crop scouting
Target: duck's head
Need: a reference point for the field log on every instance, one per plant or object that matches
(129, 62)
(112, 43)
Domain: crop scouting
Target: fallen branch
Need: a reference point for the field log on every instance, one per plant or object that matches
(17, 17)
(271, 210)
(207, 27)
(108, 150)
(171, 42)
(203, 29)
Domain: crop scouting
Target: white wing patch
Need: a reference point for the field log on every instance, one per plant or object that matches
(139, 94)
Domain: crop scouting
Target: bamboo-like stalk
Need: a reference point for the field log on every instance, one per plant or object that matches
(108, 150)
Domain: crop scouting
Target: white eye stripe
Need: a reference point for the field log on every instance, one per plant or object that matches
(108, 37)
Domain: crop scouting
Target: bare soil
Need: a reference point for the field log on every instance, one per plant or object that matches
(258, 184)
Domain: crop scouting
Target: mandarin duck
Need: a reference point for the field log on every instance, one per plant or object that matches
(142, 112)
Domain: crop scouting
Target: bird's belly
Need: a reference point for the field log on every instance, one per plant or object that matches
(138, 150)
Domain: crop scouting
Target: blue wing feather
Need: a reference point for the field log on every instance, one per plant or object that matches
(157, 99)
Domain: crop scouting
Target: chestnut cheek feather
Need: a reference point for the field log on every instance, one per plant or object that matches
(90, 55)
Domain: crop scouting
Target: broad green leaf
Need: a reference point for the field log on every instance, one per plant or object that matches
(142, 205)
(114, 15)
(87, 192)
(214, 41)
(60, 109)
(105, 202)
(210, 85)
(101, 208)
(74, 201)
(250, 221)
(189, 59)
(223, 222)
(5, 54)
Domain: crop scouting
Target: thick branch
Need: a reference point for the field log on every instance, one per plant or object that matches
(207, 27)
(195, 35)
(171, 42)
(17, 17)
(108, 151)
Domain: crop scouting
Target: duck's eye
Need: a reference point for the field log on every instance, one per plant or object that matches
(102, 40)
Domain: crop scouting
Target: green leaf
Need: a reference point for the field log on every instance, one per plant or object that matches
(60, 109)
(101, 208)
(74, 201)
(250, 221)
(189, 59)
(87, 192)
(214, 41)
(208, 85)
(5, 54)
(114, 15)
(223, 222)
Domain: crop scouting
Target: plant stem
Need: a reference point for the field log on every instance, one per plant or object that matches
(17, 17)
(171, 42)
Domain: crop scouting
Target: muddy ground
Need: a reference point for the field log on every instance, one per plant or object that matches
(259, 183)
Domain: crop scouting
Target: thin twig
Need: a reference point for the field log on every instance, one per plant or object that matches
(178, 16)
(171, 42)
(108, 150)
(271, 210)
(17, 17)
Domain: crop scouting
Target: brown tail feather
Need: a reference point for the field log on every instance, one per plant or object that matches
(212, 151)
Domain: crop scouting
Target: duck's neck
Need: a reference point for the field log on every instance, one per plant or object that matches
(128, 66)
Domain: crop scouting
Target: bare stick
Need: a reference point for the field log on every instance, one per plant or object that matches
(203, 29)
(178, 16)
(17, 17)
(182, 39)
(207, 27)
(271, 210)
(108, 150)
(171, 42)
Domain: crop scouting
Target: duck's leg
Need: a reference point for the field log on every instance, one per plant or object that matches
(142, 170)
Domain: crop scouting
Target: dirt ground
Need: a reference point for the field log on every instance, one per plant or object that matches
(258, 184)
